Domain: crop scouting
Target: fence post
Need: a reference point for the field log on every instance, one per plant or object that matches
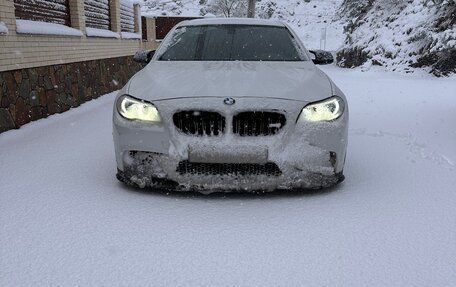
(114, 8)
(251, 9)
(77, 14)
(137, 13)
(323, 38)
(7, 15)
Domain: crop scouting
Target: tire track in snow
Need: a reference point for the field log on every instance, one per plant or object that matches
(412, 144)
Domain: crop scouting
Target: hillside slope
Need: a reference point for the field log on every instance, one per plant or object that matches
(399, 34)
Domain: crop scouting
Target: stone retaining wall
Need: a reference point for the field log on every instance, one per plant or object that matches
(30, 94)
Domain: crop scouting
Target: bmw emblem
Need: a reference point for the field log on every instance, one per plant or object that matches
(229, 101)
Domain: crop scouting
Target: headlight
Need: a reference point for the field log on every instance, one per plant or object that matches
(325, 111)
(134, 109)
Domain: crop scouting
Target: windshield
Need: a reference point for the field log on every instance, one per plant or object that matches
(231, 43)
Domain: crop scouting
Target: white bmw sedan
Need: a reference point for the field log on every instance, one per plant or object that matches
(231, 105)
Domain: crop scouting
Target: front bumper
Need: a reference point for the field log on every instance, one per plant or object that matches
(305, 155)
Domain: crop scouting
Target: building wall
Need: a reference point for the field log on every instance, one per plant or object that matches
(41, 75)
(19, 51)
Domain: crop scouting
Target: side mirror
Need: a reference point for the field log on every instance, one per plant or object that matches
(322, 57)
(144, 56)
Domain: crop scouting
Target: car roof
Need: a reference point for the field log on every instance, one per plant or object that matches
(232, 21)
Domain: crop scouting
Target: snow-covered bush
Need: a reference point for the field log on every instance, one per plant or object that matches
(174, 7)
(275, 9)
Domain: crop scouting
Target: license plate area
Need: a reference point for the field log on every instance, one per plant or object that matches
(234, 154)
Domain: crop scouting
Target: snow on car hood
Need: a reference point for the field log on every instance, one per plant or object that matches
(301, 81)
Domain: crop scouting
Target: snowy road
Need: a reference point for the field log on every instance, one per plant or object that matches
(66, 221)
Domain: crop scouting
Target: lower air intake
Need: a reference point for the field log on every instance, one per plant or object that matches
(238, 169)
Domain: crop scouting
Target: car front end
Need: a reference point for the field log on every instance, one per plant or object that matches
(235, 143)
(227, 125)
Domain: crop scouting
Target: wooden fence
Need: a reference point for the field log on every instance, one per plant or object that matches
(127, 17)
(97, 14)
(53, 11)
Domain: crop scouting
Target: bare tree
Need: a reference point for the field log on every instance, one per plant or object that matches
(229, 8)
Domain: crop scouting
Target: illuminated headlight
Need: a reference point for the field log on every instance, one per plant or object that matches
(134, 109)
(325, 111)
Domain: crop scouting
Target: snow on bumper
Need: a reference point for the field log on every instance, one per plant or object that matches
(301, 155)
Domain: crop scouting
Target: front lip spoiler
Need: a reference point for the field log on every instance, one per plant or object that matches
(167, 185)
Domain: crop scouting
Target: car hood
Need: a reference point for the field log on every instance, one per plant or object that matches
(300, 81)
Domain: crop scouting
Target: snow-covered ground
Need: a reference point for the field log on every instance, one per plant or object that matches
(66, 221)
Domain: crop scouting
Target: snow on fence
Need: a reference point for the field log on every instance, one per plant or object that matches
(45, 28)
(52, 11)
(97, 14)
(127, 16)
